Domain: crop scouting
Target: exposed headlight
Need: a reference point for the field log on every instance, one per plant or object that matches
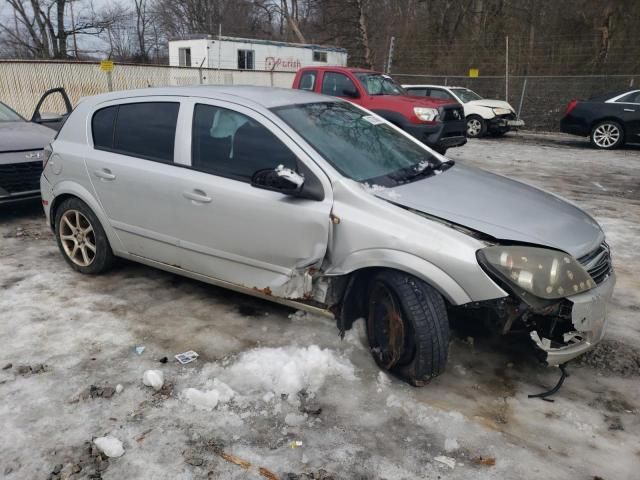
(547, 274)
(426, 114)
(501, 111)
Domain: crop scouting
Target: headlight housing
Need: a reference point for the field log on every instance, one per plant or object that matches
(426, 114)
(544, 273)
(501, 111)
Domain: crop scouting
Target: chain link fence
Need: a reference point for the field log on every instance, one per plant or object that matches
(22, 83)
(541, 100)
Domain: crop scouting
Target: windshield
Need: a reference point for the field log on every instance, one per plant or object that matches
(378, 84)
(360, 146)
(465, 95)
(8, 115)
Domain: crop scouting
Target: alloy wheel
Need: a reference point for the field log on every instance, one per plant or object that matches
(606, 135)
(77, 238)
(474, 127)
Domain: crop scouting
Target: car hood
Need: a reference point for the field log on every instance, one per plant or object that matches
(502, 208)
(24, 136)
(485, 102)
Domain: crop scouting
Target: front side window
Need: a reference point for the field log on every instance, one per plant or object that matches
(184, 57)
(359, 145)
(146, 130)
(633, 97)
(230, 144)
(417, 92)
(465, 95)
(8, 115)
(308, 81)
(335, 84)
(245, 60)
(320, 56)
(437, 93)
(378, 84)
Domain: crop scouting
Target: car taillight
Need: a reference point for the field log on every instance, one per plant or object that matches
(47, 154)
(570, 106)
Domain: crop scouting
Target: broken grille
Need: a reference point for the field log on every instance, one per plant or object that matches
(598, 263)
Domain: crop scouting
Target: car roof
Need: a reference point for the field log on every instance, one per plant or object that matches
(267, 97)
(612, 94)
(412, 85)
(343, 69)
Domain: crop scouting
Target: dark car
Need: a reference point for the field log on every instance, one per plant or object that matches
(22, 148)
(610, 119)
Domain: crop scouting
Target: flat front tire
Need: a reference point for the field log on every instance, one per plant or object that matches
(407, 327)
(81, 238)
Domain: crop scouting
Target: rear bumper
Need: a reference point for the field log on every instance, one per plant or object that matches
(439, 135)
(574, 126)
(588, 315)
(46, 191)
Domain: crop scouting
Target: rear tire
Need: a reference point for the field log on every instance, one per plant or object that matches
(476, 126)
(607, 135)
(407, 327)
(81, 238)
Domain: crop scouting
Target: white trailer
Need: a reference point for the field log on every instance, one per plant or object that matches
(231, 53)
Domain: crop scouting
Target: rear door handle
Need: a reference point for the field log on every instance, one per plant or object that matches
(105, 174)
(629, 110)
(197, 195)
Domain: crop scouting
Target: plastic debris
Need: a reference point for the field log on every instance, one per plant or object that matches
(139, 349)
(153, 378)
(187, 357)
(296, 444)
(110, 446)
(448, 461)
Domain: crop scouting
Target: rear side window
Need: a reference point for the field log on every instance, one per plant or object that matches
(633, 97)
(230, 144)
(307, 81)
(145, 130)
(417, 92)
(437, 93)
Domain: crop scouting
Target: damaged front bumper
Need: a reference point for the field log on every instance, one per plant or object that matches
(589, 319)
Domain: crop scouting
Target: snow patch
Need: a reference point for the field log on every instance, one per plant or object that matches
(294, 419)
(153, 378)
(220, 394)
(448, 461)
(451, 445)
(110, 446)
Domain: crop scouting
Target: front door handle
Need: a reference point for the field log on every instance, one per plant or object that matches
(105, 174)
(197, 195)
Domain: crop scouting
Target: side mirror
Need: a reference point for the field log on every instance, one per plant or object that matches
(280, 179)
(350, 92)
(48, 117)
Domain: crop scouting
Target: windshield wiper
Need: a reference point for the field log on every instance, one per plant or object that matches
(425, 168)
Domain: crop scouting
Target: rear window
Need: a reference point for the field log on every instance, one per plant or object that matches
(146, 130)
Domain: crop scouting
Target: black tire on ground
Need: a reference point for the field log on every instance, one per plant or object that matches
(407, 327)
(476, 126)
(607, 135)
(92, 234)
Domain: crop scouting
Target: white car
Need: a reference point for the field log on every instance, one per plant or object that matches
(484, 116)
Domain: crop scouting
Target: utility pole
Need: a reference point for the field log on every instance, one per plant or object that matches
(506, 69)
(390, 56)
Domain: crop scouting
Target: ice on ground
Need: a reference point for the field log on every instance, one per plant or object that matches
(285, 371)
(294, 419)
(451, 445)
(220, 394)
(110, 446)
(153, 378)
(448, 461)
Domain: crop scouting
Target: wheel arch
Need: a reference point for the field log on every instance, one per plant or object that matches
(362, 265)
(611, 118)
(65, 190)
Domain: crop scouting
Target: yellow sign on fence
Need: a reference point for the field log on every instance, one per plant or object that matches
(474, 72)
(106, 65)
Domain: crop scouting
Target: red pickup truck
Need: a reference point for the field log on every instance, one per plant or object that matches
(438, 123)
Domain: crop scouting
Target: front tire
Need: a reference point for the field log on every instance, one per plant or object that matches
(407, 327)
(81, 238)
(476, 126)
(607, 135)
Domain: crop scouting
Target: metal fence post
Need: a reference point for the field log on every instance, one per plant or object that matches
(524, 88)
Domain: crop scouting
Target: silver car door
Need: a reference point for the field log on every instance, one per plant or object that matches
(130, 162)
(237, 233)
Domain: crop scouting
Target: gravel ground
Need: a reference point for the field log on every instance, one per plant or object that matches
(276, 394)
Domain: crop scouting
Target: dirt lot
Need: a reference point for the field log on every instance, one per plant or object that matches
(278, 390)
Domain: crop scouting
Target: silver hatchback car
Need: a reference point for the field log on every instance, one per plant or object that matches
(312, 202)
